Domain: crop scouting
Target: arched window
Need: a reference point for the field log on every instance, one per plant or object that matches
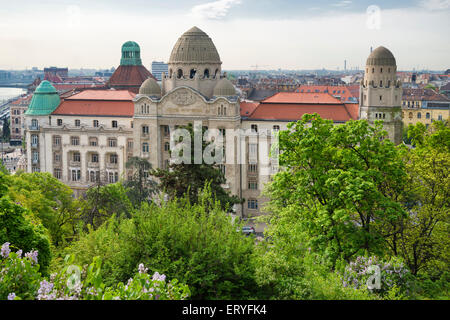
(410, 115)
(373, 70)
(381, 83)
(170, 73)
(192, 73)
(206, 73)
(427, 115)
(381, 70)
(179, 73)
(419, 115)
(16, 120)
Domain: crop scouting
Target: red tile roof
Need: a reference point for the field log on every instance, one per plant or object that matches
(296, 97)
(293, 112)
(103, 95)
(247, 108)
(344, 92)
(129, 77)
(116, 103)
(70, 86)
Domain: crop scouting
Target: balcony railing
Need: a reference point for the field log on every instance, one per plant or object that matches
(34, 145)
(110, 165)
(33, 127)
(93, 164)
(74, 163)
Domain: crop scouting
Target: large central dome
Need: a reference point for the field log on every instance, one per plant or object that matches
(194, 46)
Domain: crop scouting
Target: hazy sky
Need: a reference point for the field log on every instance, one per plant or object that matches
(272, 34)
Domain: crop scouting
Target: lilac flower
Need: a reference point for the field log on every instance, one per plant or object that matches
(11, 296)
(44, 292)
(19, 254)
(32, 255)
(142, 268)
(5, 250)
(159, 277)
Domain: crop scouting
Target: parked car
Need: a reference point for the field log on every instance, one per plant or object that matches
(248, 230)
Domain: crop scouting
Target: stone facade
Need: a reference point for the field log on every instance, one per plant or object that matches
(381, 93)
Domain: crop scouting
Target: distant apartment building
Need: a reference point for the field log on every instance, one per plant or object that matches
(424, 106)
(158, 68)
(17, 109)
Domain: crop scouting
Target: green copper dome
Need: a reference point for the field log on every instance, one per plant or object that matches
(45, 100)
(131, 54)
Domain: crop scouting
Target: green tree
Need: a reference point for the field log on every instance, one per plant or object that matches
(195, 243)
(6, 131)
(49, 200)
(139, 185)
(17, 229)
(423, 240)
(180, 179)
(104, 201)
(339, 187)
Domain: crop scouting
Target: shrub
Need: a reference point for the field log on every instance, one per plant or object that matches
(20, 279)
(393, 275)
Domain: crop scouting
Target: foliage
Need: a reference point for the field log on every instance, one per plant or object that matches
(393, 275)
(287, 271)
(423, 240)
(21, 233)
(104, 201)
(183, 179)
(49, 200)
(19, 276)
(21, 280)
(195, 243)
(339, 187)
(139, 186)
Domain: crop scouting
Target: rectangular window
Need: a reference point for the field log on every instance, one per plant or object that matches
(75, 141)
(77, 123)
(94, 157)
(76, 157)
(93, 142)
(252, 168)
(57, 157)
(59, 122)
(130, 144)
(112, 142)
(254, 128)
(252, 185)
(252, 204)
(253, 150)
(114, 124)
(145, 147)
(95, 123)
(166, 130)
(57, 173)
(56, 140)
(76, 175)
(276, 128)
(113, 158)
(144, 130)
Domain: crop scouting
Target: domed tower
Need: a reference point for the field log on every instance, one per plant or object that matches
(194, 62)
(381, 93)
(44, 101)
(150, 88)
(131, 73)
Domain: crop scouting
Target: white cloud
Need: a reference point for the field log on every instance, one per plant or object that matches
(344, 3)
(213, 10)
(435, 4)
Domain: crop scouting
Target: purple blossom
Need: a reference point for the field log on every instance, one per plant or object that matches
(11, 296)
(44, 292)
(158, 277)
(142, 268)
(5, 250)
(32, 255)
